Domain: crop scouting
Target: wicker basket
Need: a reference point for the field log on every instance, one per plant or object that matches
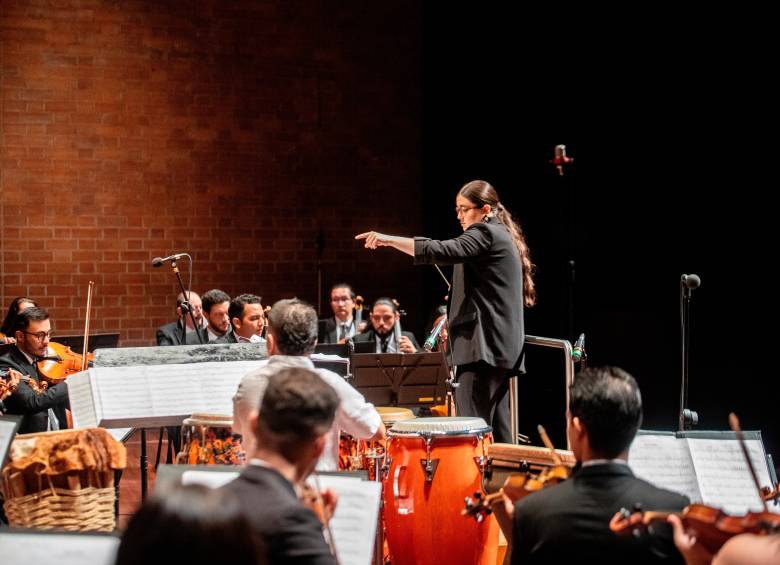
(63, 480)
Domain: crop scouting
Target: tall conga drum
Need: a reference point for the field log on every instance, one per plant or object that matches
(433, 465)
(208, 439)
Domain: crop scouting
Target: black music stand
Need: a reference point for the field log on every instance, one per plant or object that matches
(401, 379)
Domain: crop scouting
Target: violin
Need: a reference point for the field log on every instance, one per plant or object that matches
(60, 362)
(516, 487)
(713, 527)
(360, 324)
(6, 339)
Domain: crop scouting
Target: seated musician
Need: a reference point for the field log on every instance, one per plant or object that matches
(342, 325)
(215, 310)
(384, 314)
(42, 411)
(17, 305)
(174, 333)
(291, 432)
(570, 521)
(291, 340)
(248, 319)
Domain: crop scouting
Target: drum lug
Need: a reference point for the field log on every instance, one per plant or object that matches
(429, 468)
(482, 463)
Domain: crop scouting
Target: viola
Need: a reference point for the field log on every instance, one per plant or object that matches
(60, 362)
(713, 527)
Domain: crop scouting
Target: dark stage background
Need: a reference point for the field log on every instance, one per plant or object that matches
(261, 136)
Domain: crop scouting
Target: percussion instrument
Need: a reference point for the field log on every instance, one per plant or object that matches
(505, 459)
(356, 454)
(208, 439)
(432, 465)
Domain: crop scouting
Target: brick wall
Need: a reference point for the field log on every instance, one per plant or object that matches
(238, 132)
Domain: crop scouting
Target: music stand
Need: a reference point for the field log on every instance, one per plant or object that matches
(401, 379)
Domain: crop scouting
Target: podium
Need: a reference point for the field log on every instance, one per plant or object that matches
(401, 379)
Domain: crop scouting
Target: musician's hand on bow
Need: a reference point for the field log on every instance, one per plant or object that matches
(693, 553)
(9, 383)
(374, 239)
(406, 345)
(329, 502)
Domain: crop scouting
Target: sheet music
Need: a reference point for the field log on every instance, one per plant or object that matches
(168, 390)
(43, 548)
(82, 400)
(6, 437)
(357, 513)
(723, 474)
(207, 478)
(665, 461)
(329, 358)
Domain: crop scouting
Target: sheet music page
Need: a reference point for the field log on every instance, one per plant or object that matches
(354, 523)
(330, 358)
(724, 477)
(169, 390)
(6, 437)
(206, 478)
(664, 461)
(123, 392)
(57, 549)
(82, 400)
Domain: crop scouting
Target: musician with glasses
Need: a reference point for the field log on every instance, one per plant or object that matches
(343, 324)
(491, 283)
(43, 411)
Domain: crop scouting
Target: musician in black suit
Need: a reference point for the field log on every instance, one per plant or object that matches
(174, 334)
(295, 417)
(343, 324)
(492, 282)
(40, 412)
(384, 315)
(569, 522)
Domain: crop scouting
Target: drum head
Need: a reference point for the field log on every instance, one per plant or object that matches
(392, 414)
(216, 420)
(440, 426)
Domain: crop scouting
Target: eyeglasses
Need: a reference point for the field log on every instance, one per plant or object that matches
(39, 335)
(341, 299)
(464, 209)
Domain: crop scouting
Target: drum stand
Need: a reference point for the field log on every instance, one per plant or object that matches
(378, 460)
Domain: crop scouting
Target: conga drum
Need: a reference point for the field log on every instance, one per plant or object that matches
(208, 439)
(433, 465)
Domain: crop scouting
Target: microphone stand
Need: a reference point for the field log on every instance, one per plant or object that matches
(185, 306)
(687, 418)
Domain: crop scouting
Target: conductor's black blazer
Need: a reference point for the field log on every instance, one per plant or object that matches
(486, 301)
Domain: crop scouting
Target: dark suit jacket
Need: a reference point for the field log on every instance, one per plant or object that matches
(486, 301)
(172, 334)
(327, 331)
(370, 335)
(31, 406)
(291, 532)
(570, 521)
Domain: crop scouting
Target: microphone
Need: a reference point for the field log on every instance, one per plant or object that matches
(158, 261)
(431, 341)
(578, 351)
(691, 281)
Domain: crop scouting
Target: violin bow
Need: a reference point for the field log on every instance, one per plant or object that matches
(548, 444)
(86, 326)
(734, 423)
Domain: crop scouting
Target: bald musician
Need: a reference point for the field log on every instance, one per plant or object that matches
(40, 412)
(570, 521)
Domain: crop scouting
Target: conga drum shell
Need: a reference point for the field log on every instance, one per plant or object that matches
(422, 509)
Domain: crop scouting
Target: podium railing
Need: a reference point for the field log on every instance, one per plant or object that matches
(569, 377)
